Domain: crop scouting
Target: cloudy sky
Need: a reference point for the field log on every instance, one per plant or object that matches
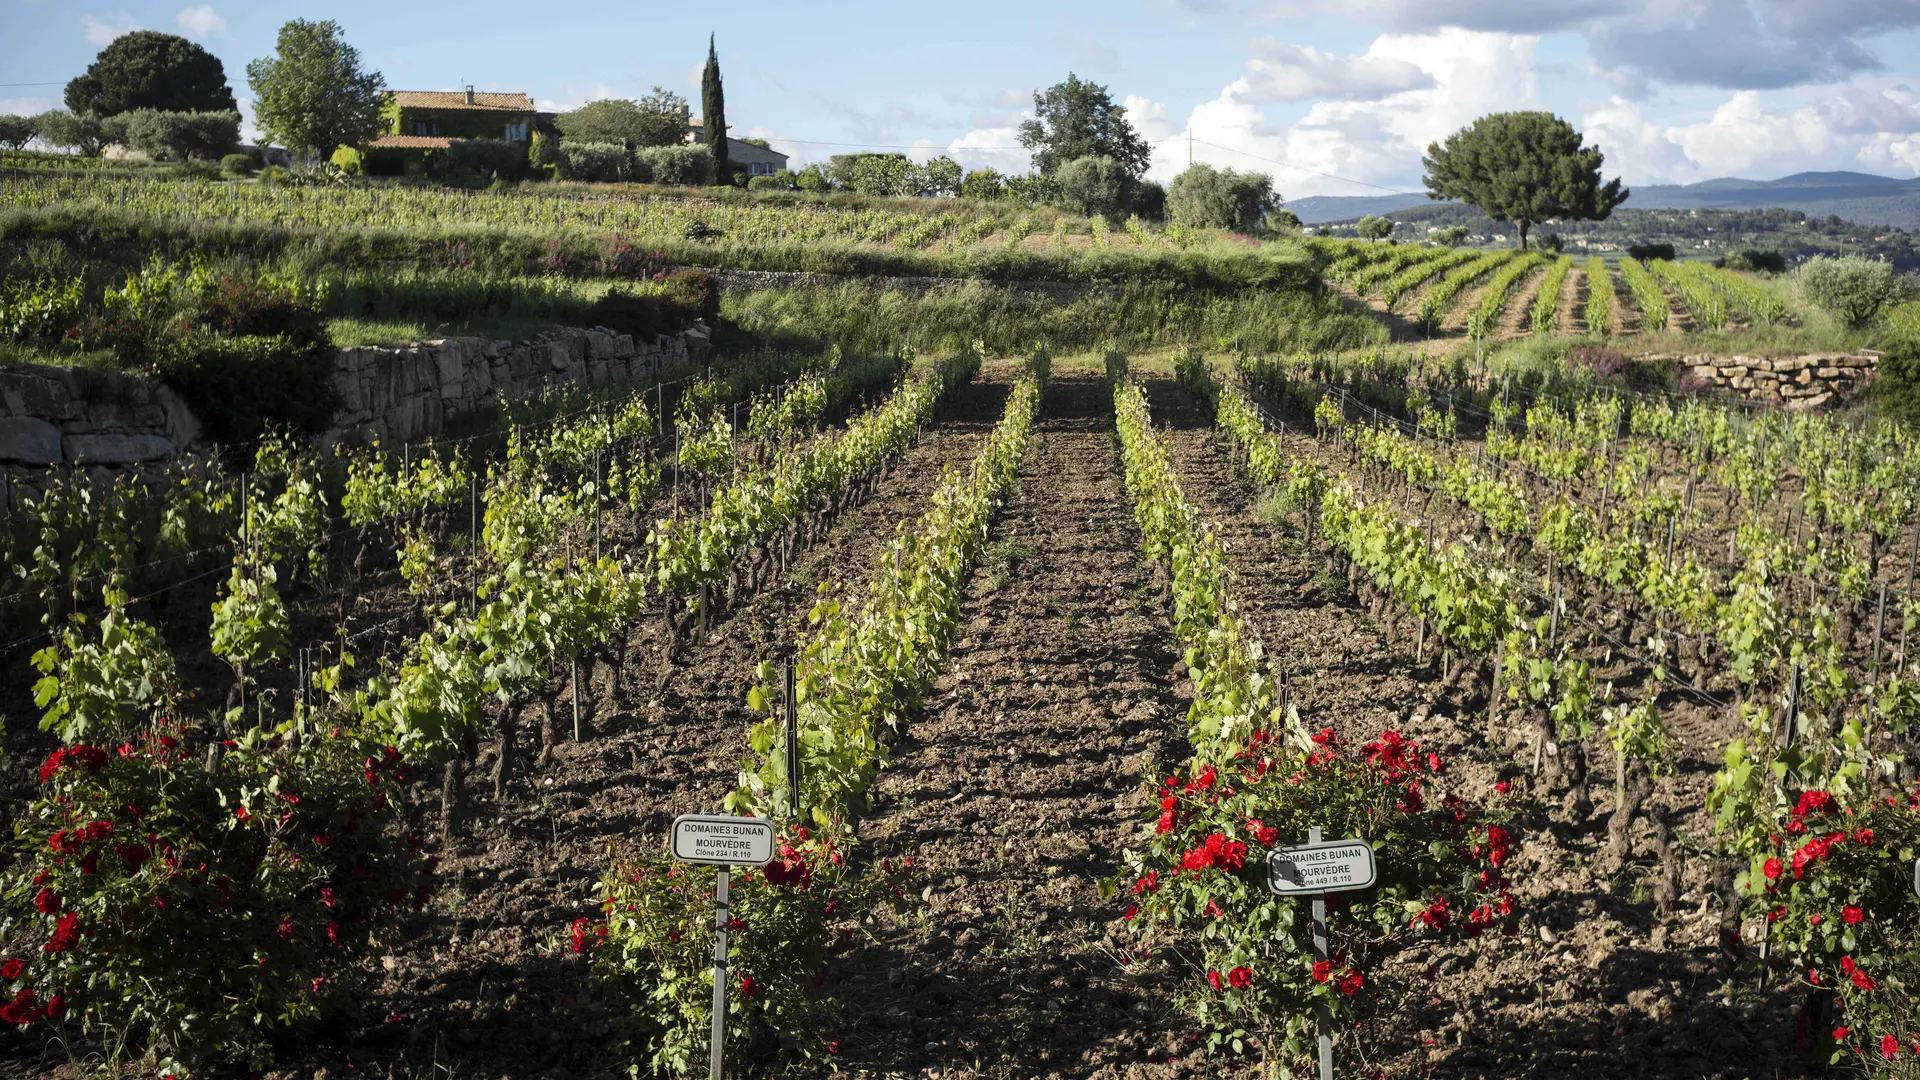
(1330, 96)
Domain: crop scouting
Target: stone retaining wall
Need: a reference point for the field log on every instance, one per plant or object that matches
(1798, 382)
(404, 394)
(99, 419)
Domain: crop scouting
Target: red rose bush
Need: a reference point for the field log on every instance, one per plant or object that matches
(196, 910)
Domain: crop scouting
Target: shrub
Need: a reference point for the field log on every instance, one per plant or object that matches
(1650, 252)
(768, 183)
(1852, 289)
(690, 165)
(645, 317)
(1754, 260)
(542, 154)
(275, 175)
(1896, 383)
(813, 178)
(1201, 884)
(349, 160)
(241, 387)
(237, 165)
(602, 163)
(1836, 893)
(477, 161)
(1209, 198)
(652, 954)
(1094, 185)
(1150, 200)
(161, 900)
(693, 291)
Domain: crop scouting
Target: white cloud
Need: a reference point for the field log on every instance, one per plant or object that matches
(102, 32)
(1732, 44)
(988, 148)
(201, 20)
(25, 106)
(1287, 72)
(1462, 76)
(1853, 129)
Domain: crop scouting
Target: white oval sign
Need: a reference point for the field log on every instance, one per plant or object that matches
(1330, 866)
(1916, 877)
(717, 840)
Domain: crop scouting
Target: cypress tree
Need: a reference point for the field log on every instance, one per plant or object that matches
(713, 108)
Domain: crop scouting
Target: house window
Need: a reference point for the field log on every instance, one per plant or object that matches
(426, 127)
(517, 132)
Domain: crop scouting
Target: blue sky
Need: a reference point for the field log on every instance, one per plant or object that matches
(1329, 96)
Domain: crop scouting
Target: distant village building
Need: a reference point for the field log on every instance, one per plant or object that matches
(759, 160)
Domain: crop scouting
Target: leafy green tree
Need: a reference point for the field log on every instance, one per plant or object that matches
(1374, 227)
(1074, 120)
(1522, 167)
(82, 133)
(150, 70)
(882, 174)
(659, 119)
(1209, 198)
(713, 111)
(1095, 185)
(1448, 236)
(984, 183)
(313, 96)
(18, 131)
(940, 176)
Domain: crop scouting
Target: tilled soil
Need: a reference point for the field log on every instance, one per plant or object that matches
(1018, 790)
(1020, 786)
(1596, 984)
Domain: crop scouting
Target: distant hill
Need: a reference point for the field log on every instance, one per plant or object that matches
(1319, 209)
(1851, 196)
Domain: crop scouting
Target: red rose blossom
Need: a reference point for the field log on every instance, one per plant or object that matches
(1241, 977)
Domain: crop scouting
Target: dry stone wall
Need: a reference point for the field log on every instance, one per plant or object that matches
(1798, 382)
(90, 418)
(404, 394)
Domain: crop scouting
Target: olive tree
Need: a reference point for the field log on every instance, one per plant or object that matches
(1374, 227)
(1852, 289)
(1210, 198)
(1095, 185)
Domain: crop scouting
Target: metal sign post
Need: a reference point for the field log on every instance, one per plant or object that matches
(1916, 877)
(725, 842)
(792, 707)
(1316, 869)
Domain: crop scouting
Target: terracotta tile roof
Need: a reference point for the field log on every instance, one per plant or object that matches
(410, 142)
(457, 99)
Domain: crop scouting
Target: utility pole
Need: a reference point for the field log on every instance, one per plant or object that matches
(1189, 146)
